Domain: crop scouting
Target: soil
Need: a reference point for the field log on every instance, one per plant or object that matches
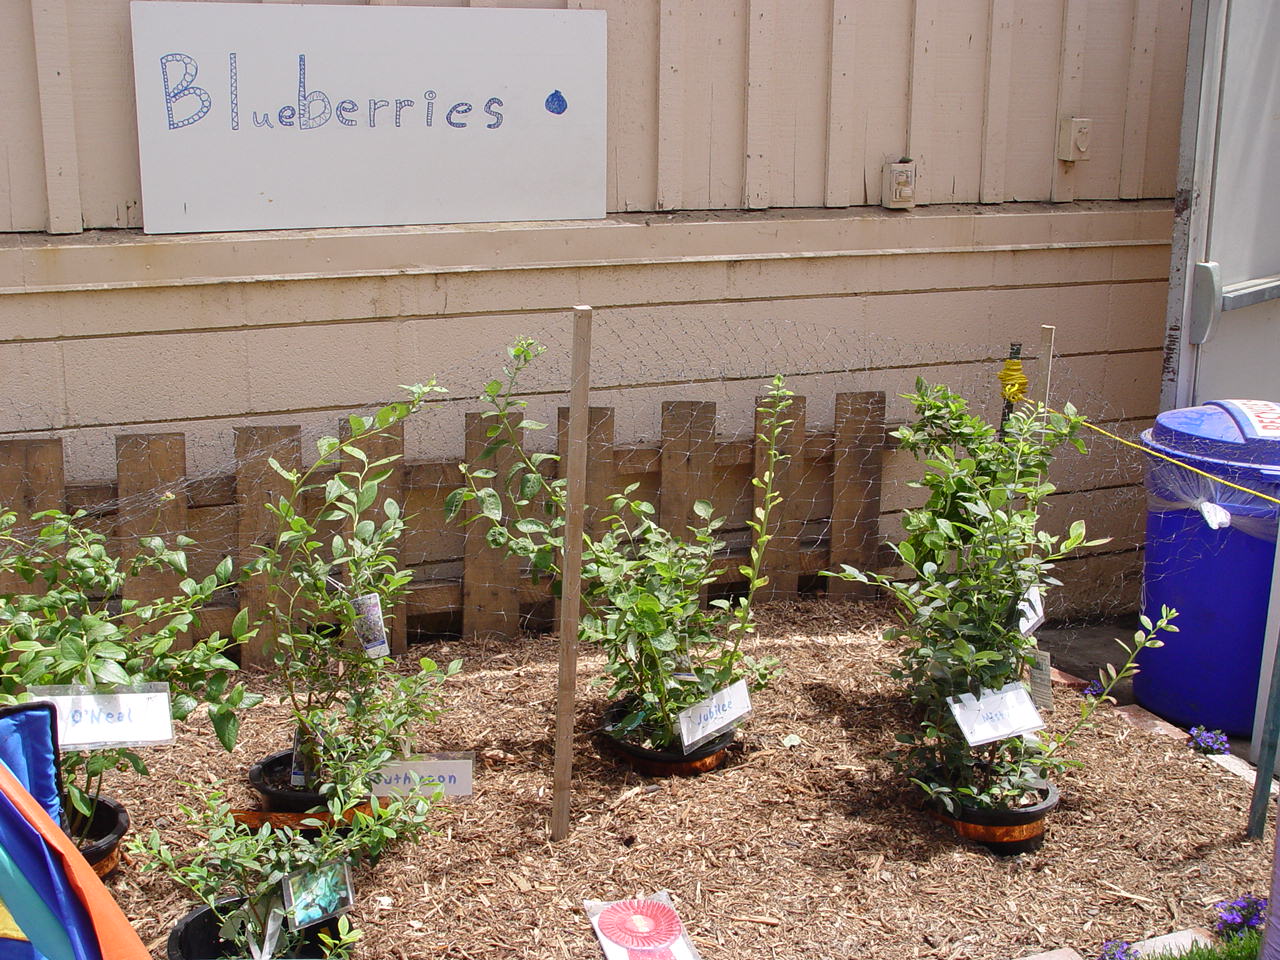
(803, 852)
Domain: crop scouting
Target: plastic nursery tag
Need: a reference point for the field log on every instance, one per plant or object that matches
(446, 774)
(999, 714)
(369, 626)
(649, 928)
(1042, 681)
(92, 717)
(297, 762)
(714, 715)
(312, 896)
(1030, 611)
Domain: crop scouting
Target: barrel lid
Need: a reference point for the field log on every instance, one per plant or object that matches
(1239, 431)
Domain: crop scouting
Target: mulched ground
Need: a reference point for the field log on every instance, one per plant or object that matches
(811, 851)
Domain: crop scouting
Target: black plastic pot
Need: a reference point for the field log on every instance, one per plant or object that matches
(107, 828)
(270, 777)
(195, 937)
(663, 763)
(1005, 832)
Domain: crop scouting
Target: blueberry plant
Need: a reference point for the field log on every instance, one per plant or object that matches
(642, 584)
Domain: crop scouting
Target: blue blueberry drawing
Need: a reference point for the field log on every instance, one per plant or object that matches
(556, 103)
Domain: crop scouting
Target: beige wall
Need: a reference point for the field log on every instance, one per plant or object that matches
(721, 106)
(713, 104)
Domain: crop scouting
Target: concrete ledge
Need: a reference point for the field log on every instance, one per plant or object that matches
(1172, 944)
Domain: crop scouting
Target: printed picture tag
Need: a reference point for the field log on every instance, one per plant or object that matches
(90, 717)
(720, 711)
(1030, 611)
(315, 895)
(370, 628)
(447, 773)
(1042, 681)
(649, 927)
(997, 715)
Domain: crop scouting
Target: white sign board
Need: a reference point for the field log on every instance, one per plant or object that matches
(262, 116)
(996, 715)
(714, 715)
(88, 719)
(449, 773)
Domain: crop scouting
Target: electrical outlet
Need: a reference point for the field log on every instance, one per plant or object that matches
(898, 187)
(1073, 138)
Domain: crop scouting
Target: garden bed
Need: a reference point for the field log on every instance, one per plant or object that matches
(810, 851)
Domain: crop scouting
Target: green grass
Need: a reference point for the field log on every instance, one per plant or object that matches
(1243, 947)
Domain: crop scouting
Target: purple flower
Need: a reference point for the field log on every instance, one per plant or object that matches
(1118, 950)
(1208, 741)
(1094, 689)
(1242, 914)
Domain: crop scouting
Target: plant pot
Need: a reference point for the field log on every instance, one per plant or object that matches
(270, 777)
(664, 763)
(1005, 833)
(108, 826)
(195, 937)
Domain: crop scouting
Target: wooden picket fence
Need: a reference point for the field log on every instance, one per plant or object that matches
(831, 514)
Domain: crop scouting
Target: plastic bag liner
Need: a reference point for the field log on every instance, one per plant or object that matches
(1171, 487)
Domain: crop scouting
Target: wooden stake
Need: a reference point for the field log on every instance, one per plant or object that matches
(571, 591)
(1047, 331)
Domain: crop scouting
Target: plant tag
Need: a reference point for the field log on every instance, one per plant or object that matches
(714, 715)
(314, 895)
(90, 717)
(998, 715)
(648, 927)
(446, 774)
(1030, 611)
(1042, 681)
(370, 628)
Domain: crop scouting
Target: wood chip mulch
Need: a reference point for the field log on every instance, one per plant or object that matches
(812, 851)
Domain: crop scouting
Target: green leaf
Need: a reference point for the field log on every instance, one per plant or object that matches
(226, 724)
(240, 625)
(490, 504)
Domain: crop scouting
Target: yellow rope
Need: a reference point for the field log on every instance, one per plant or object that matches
(1014, 384)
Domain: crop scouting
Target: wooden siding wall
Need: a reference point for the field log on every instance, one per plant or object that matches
(713, 104)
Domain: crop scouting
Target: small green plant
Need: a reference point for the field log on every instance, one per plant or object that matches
(973, 552)
(641, 583)
(73, 627)
(322, 563)
(238, 871)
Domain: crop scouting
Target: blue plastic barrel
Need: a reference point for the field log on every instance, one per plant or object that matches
(1210, 550)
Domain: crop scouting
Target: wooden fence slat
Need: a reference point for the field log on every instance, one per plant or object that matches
(388, 443)
(31, 480)
(687, 460)
(150, 471)
(601, 473)
(490, 580)
(256, 485)
(782, 556)
(855, 491)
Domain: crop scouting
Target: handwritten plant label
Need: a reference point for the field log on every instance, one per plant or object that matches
(369, 626)
(89, 718)
(263, 116)
(714, 715)
(996, 715)
(1041, 679)
(448, 773)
